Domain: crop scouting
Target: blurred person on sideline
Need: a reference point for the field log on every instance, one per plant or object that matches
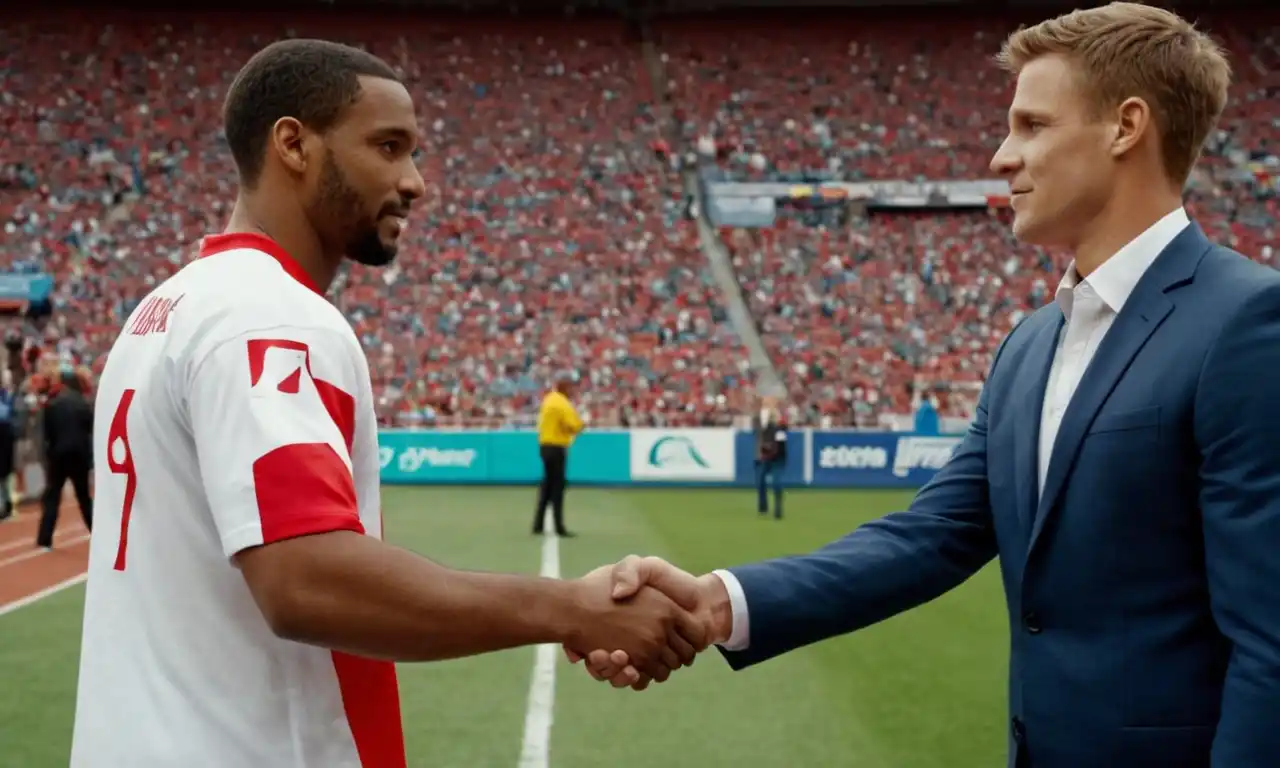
(770, 432)
(1123, 461)
(558, 426)
(67, 424)
(8, 440)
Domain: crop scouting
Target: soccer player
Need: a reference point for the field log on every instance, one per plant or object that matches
(241, 607)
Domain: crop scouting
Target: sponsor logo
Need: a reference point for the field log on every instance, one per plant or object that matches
(853, 457)
(385, 454)
(413, 459)
(676, 452)
(682, 454)
(923, 453)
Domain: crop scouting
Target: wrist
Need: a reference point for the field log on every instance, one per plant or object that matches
(561, 617)
(719, 609)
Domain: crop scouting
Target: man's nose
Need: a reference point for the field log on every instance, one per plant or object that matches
(1005, 162)
(412, 185)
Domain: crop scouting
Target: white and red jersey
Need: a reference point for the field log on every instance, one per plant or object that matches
(235, 410)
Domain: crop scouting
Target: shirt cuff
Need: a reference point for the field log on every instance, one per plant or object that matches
(740, 635)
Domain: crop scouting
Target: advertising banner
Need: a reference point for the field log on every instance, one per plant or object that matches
(433, 457)
(745, 212)
(25, 287)
(684, 455)
(878, 460)
(496, 458)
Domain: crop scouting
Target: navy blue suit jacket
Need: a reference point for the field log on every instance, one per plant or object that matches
(1143, 586)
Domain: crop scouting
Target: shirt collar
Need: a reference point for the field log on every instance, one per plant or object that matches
(1115, 279)
(232, 241)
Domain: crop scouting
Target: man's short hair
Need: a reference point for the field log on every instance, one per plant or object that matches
(313, 81)
(1126, 50)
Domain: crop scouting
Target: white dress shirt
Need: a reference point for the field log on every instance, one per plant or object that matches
(1089, 306)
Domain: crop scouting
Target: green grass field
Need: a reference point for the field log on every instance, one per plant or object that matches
(923, 690)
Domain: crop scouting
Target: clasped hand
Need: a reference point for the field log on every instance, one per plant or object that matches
(696, 617)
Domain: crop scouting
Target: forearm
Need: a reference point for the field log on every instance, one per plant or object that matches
(880, 570)
(353, 593)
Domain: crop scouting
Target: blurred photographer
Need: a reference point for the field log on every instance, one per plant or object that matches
(771, 454)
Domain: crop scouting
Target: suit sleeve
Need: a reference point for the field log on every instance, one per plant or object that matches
(1237, 426)
(882, 568)
(273, 418)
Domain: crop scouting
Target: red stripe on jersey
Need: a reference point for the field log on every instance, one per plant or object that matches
(371, 699)
(304, 489)
(342, 409)
(235, 241)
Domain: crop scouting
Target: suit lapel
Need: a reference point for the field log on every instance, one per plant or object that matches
(1035, 370)
(1142, 314)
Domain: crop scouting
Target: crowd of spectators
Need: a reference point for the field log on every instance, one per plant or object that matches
(862, 317)
(554, 233)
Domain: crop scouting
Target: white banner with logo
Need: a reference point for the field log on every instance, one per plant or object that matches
(686, 455)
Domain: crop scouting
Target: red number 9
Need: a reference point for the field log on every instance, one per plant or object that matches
(120, 461)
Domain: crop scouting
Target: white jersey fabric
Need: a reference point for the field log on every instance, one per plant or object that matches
(235, 410)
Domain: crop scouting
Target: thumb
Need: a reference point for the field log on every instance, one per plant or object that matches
(680, 586)
(634, 572)
(628, 577)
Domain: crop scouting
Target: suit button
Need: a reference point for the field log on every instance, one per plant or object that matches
(1019, 731)
(1031, 621)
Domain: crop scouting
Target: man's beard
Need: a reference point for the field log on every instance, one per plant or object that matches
(337, 201)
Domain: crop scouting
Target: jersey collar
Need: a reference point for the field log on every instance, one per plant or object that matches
(233, 241)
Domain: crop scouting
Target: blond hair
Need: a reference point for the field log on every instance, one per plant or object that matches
(1127, 49)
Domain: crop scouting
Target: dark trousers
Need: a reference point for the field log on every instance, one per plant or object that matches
(766, 470)
(61, 469)
(551, 491)
(6, 467)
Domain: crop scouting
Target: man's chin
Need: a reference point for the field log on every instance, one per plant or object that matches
(372, 254)
(376, 260)
(1025, 231)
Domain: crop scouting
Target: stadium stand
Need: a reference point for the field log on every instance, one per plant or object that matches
(860, 315)
(555, 232)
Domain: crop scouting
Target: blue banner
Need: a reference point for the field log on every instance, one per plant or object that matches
(20, 287)
(877, 460)
(496, 458)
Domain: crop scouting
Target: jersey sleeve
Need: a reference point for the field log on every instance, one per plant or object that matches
(273, 418)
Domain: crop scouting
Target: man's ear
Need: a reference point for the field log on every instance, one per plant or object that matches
(1133, 122)
(288, 141)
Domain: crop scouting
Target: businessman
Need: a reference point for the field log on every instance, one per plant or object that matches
(1124, 460)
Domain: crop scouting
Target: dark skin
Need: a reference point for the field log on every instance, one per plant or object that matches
(345, 194)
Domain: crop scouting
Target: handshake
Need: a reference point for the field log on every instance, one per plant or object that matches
(657, 618)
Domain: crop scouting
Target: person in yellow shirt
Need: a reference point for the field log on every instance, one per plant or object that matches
(558, 425)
